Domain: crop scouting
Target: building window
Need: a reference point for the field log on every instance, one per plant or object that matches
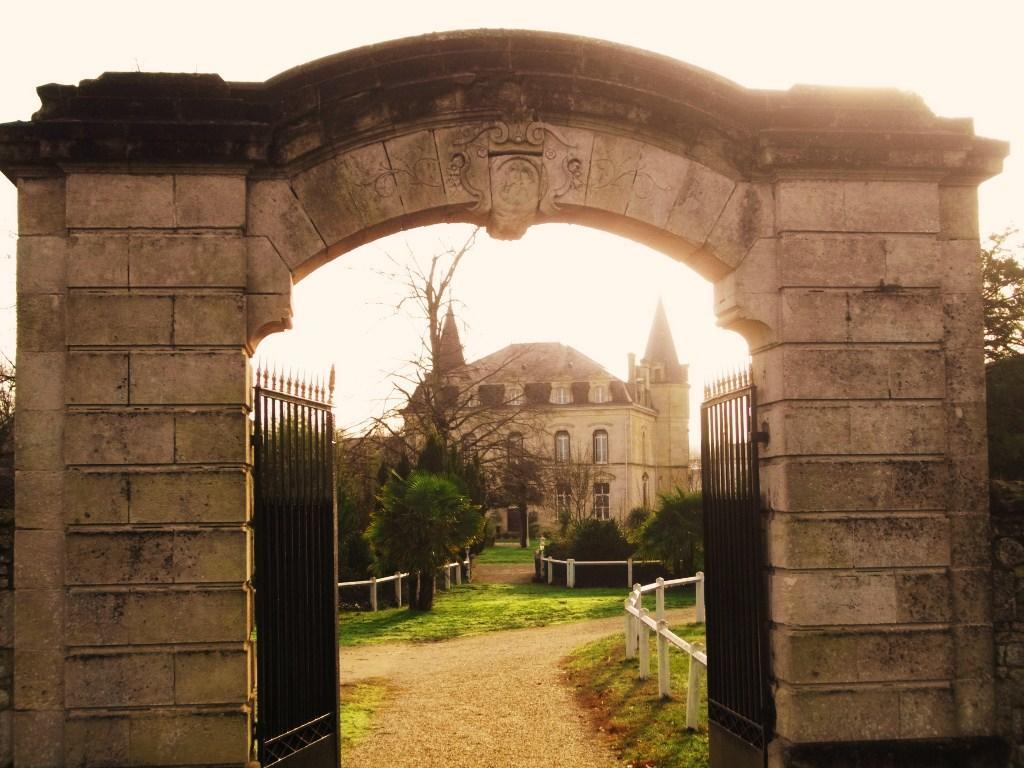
(602, 501)
(561, 396)
(515, 447)
(599, 394)
(645, 481)
(561, 498)
(643, 446)
(600, 446)
(515, 396)
(561, 445)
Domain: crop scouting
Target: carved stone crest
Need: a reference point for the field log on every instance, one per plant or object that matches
(514, 170)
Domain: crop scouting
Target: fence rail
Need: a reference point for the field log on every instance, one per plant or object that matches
(571, 563)
(640, 624)
(373, 582)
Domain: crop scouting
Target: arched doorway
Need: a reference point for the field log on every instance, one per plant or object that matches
(160, 242)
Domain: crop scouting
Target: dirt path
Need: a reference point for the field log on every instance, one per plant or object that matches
(493, 701)
(503, 573)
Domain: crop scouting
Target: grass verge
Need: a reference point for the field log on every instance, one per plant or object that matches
(505, 554)
(474, 609)
(646, 731)
(359, 702)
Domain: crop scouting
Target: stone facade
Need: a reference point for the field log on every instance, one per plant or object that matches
(163, 219)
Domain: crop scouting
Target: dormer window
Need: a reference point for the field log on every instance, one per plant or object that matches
(515, 395)
(599, 394)
(560, 395)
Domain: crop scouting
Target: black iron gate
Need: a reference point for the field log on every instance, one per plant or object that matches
(295, 579)
(739, 707)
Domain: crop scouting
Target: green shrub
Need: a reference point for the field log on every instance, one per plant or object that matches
(593, 539)
(1004, 383)
(674, 534)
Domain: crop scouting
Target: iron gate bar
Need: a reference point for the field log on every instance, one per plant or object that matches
(739, 709)
(294, 524)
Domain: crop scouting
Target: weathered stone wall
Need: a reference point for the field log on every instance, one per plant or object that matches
(1008, 611)
(6, 596)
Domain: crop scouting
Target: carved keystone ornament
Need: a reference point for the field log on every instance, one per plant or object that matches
(514, 170)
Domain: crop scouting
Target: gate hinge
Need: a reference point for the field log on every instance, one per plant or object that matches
(763, 436)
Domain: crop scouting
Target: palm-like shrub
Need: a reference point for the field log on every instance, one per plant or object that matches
(674, 534)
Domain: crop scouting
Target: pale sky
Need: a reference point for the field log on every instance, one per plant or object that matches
(582, 287)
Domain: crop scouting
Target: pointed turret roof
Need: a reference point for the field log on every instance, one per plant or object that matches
(660, 346)
(451, 345)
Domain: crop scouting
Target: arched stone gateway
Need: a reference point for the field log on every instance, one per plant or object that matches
(163, 219)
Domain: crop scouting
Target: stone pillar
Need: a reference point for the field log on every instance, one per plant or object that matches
(871, 389)
(133, 612)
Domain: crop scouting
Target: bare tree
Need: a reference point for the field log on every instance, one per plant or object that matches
(6, 397)
(570, 487)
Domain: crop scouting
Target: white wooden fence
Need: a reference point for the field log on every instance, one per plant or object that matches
(373, 583)
(640, 624)
(571, 563)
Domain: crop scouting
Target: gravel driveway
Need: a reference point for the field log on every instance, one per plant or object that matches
(491, 701)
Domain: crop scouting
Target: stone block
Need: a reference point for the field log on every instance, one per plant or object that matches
(416, 171)
(325, 196)
(189, 378)
(38, 559)
(97, 261)
(275, 212)
(923, 597)
(96, 741)
(958, 208)
(968, 487)
(97, 378)
(972, 595)
(203, 261)
(40, 381)
(971, 540)
(267, 314)
(961, 266)
(116, 200)
(192, 738)
(37, 440)
(210, 319)
(266, 271)
(747, 217)
(41, 323)
(41, 206)
(120, 557)
(6, 618)
(101, 319)
(209, 200)
(119, 438)
(825, 261)
(114, 679)
(454, 155)
(187, 615)
(927, 713)
(6, 737)
(868, 372)
(800, 541)
(39, 739)
(206, 437)
(975, 652)
(913, 261)
(211, 555)
(613, 170)
(822, 599)
(40, 499)
(38, 679)
(39, 617)
(42, 265)
(211, 677)
(975, 706)
(807, 715)
(862, 316)
(96, 498)
(857, 206)
(567, 157)
(189, 497)
(370, 181)
(855, 485)
(97, 617)
(965, 374)
(699, 203)
(660, 178)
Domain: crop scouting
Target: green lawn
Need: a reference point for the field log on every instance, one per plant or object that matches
(359, 702)
(505, 554)
(474, 609)
(645, 730)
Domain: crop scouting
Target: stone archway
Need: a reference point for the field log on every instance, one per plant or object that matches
(163, 219)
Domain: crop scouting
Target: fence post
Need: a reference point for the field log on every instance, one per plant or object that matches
(398, 589)
(551, 572)
(629, 571)
(373, 593)
(645, 646)
(659, 600)
(630, 634)
(700, 597)
(413, 597)
(693, 694)
(458, 574)
(664, 679)
(447, 578)
(570, 573)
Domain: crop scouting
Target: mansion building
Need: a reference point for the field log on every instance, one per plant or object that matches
(633, 434)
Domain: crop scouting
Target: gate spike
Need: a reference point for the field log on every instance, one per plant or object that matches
(330, 385)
